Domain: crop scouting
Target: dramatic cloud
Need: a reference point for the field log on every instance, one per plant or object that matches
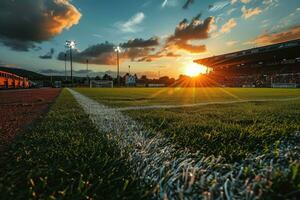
(188, 31)
(248, 13)
(226, 28)
(102, 54)
(181, 44)
(194, 30)
(141, 43)
(131, 25)
(283, 36)
(161, 54)
(134, 54)
(23, 23)
(48, 55)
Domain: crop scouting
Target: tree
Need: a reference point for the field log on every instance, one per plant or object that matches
(107, 77)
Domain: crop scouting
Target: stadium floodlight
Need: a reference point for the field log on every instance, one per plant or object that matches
(118, 50)
(71, 44)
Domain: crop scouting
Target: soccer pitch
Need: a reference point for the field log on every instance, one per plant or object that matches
(229, 122)
(127, 97)
(235, 125)
(124, 143)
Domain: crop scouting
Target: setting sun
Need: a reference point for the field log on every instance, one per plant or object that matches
(193, 69)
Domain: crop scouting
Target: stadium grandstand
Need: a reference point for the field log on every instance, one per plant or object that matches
(276, 65)
(12, 81)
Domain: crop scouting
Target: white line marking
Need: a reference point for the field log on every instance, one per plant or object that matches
(180, 174)
(153, 107)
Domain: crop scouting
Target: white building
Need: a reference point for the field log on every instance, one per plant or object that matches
(130, 80)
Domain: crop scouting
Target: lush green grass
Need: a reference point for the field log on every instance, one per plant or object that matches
(122, 97)
(65, 156)
(232, 130)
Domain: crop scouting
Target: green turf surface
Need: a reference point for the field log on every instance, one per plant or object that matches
(65, 157)
(232, 131)
(123, 97)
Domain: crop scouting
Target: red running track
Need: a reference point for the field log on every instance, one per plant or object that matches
(20, 108)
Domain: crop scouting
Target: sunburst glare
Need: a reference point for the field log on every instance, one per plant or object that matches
(193, 69)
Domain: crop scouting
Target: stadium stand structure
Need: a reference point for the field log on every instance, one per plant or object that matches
(276, 65)
(11, 81)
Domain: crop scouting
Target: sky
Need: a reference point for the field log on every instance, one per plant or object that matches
(157, 37)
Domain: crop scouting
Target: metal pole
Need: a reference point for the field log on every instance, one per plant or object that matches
(66, 66)
(87, 67)
(118, 65)
(71, 65)
(87, 71)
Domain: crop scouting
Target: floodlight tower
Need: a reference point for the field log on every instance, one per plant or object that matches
(66, 66)
(71, 44)
(87, 71)
(118, 50)
(87, 67)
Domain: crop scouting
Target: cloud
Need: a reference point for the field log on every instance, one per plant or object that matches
(48, 55)
(183, 45)
(270, 3)
(166, 3)
(245, 1)
(232, 43)
(230, 11)
(24, 23)
(248, 13)
(138, 42)
(131, 25)
(161, 54)
(194, 30)
(101, 54)
(97, 35)
(226, 28)
(104, 54)
(186, 32)
(218, 6)
(278, 37)
(134, 54)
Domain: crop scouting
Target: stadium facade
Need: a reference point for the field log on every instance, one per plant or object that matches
(12, 81)
(276, 65)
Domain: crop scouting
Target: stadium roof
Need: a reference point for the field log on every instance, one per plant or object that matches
(270, 53)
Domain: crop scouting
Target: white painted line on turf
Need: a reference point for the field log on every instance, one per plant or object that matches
(180, 174)
(153, 107)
